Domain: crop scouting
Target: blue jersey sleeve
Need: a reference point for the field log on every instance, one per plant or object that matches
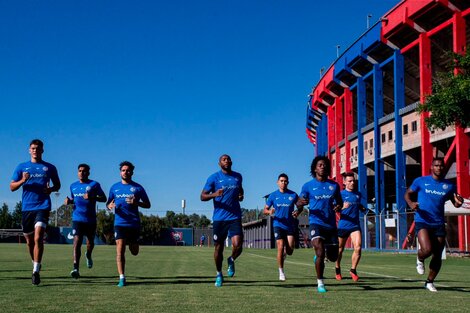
(304, 192)
(270, 201)
(210, 184)
(143, 195)
(415, 186)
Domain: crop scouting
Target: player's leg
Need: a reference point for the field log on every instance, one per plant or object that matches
(341, 244)
(290, 244)
(77, 252)
(90, 244)
(425, 249)
(121, 235)
(356, 240)
(319, 259)
(280, 256)
(331, 244)
(133, 240)
(219, 235)
(236, 232)
(438, 245)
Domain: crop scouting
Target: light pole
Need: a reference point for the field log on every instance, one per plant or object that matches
(57, 194)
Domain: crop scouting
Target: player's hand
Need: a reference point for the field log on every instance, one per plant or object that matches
(458, 200)
(295, 213)
(68, 201)
(112, 205)
(86, 196)
(346, 205)
(414, 206)
(337, 208)
(272, 211)
(47, 190)
(302, 201)
(132, 200)
(25, 177)
(219, 192)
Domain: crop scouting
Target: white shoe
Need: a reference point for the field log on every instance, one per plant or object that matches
(430, 287)
(282, 277)
(420, 267)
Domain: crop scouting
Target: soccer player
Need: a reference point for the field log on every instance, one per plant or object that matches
(84, 194)
(431, 193)
(35, 177)
(349, 225)
(125, 198)
(281, 205)
(226, 191)
(324, 199)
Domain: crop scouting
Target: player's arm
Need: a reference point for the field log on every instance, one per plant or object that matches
(15, 185)
(100, 195)
(241, 194)
(338, 200)
(55, 185)
(207, 195)
(409, 195)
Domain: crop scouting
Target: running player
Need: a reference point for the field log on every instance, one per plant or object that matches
(84, 194)
(349, 225)
(225, 188)
(281, 205)
(324, 199)
(125, 198)
(35, 177)
(431, 193)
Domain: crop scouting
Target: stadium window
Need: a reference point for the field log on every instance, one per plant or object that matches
(383, 138)
(365, 145)
(371, 143)
(355, 149)
(390, 135)
(414, 126)
(405, 129)
(352, 151)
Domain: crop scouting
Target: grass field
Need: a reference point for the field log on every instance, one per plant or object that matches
(181, 279)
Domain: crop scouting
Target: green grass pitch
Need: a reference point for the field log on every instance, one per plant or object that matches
(181, 279)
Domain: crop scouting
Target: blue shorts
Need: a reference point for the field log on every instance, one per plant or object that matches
(328, 235)
(84, 229)
(129, 234)
(434, 231)
(224, 229)
(345, 233)
(30, 218)
(281, 233)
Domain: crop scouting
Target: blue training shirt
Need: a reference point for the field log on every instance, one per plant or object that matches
(283, 204)
(349, 217)
(41, 173)
(322, 197)
(227, 206)
(432, 195)
(84, 210)
(125, 214)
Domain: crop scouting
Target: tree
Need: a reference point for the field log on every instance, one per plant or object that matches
(105, 226)
(16, 216)
(150, 228)
(449, 104)
(5, 217)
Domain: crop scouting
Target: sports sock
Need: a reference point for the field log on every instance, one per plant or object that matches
(75, 266)
(338, 270)
(219, 273)
(36, 266)
(353, 271)
(121, 276)
(281, 271)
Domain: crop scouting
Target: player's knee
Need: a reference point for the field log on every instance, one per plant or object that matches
(358, 250)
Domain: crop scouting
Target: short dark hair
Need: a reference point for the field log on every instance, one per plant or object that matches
(86, 166)
(128, 164)
(37, 142)
(316, 160)
(349, 174)
(283, 175)
(438, 159)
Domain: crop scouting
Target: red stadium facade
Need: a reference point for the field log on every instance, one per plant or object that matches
(362, 114)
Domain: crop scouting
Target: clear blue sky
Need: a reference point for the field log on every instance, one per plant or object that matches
(169, 86)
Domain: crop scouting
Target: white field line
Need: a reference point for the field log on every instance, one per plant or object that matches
(368, 273)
